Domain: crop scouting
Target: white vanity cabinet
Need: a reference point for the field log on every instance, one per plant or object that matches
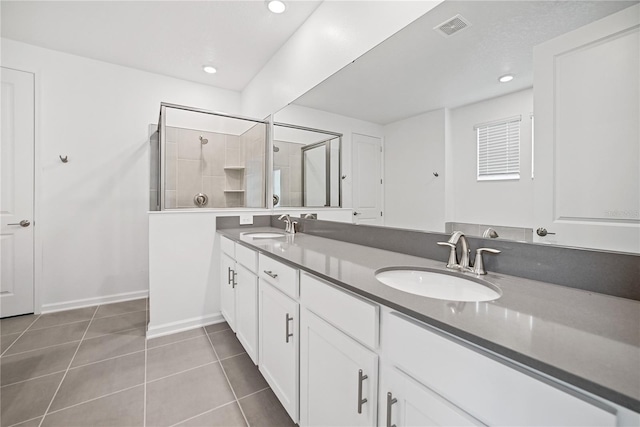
(338, 374)
(279, 331)
(239, 293)
(405, 402)
(476, 385)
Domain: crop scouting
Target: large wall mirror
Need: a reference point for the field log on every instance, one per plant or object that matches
(562, 136)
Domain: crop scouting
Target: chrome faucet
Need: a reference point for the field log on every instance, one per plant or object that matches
(490, 233)
(290, 226)
(464, 265)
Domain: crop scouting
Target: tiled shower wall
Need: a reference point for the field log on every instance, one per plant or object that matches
(289, 161)
(192, 167)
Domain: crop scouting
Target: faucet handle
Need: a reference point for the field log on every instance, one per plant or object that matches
(478, 263)
(453, 256)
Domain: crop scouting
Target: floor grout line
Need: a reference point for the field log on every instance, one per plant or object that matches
(231, 357)
(182, 372)
(25, 421)
(23, 332)
(92, 399)
(104, 360)
(205, 412)
(255, 392)
(176, 342)
(119, 331)
(68, 366)
(40, 348)
(34, 378)
(229, 382)
(120, 314)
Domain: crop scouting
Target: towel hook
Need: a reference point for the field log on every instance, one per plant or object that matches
(436, 174)
(64, 159)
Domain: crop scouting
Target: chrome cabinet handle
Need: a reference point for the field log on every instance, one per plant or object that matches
(287, 333)
(229, 275)
(23, 223)
(361, 401)
(357, 213)
(270, 273)
(233, 282)
(390, 401)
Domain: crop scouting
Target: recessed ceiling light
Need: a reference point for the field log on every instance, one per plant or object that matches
(505, 78)
(209, 69)
(276, 6)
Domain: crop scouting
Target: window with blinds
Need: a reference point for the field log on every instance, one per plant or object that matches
(499, 149)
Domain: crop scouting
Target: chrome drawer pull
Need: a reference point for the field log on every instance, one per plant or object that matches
(229, 275)
(288, 334)
(270, 273)
(390, 401)
(361, 401)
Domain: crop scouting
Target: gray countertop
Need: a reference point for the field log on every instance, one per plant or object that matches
(587, 339)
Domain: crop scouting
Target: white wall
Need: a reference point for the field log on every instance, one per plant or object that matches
(507, 203)
(415, 149)
(318, 119)
(91, 213)
(334, 35)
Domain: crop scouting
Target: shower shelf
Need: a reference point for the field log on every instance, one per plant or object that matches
(234, 191)
(234, 168)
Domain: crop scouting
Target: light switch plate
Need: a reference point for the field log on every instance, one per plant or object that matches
(246, 219)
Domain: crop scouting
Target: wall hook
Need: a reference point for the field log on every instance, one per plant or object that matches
(436, 174)
(344, 177)
(64, 159)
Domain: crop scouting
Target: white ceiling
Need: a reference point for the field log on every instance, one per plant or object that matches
(418, 70)
(174, 38)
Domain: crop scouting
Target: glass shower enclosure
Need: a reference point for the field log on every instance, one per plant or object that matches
(204, 159)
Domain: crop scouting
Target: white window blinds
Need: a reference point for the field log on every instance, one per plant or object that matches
(499, 149)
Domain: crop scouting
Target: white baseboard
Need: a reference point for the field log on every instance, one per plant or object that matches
(154, 331)
(89, 302)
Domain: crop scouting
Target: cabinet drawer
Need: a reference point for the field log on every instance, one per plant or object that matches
(487, 389)
(227, 246)
(247, 257)
(279, 275)
(355, 316)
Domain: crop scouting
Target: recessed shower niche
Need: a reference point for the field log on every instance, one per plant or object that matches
(203, 159)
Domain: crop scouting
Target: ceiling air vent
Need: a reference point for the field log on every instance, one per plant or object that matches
(452, 26)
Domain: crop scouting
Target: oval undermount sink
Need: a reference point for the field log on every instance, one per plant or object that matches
(264, 235)
(438, 284)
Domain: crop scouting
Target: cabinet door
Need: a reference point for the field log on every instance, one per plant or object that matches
(279, 354)
(247, 311)
(338, 377)
(227, 291)
(405, 402)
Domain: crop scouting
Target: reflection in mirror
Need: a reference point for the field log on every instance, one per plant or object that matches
(563, 134)
(306, 167)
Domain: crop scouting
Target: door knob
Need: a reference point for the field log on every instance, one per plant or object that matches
(23, 223)
(542, 232)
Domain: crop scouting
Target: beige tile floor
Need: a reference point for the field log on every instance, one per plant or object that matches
(93, 367)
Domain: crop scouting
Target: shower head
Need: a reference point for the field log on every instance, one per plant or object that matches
(276, 149)
(203, 140)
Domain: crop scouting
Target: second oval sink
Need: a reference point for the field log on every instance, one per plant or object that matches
(438, 284)
(264, 235)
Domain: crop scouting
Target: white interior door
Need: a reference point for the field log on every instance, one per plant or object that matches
(16, 200)
(587, 137)
(367, 179)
